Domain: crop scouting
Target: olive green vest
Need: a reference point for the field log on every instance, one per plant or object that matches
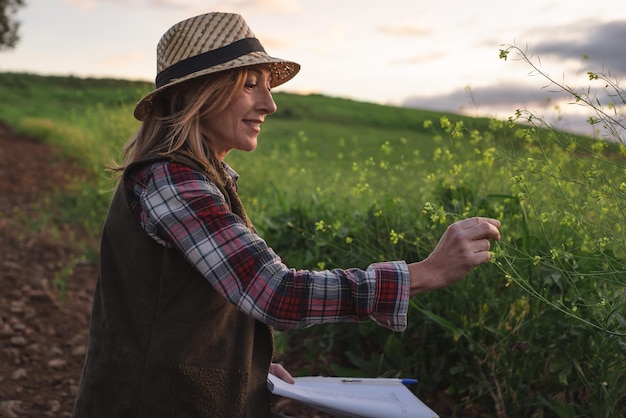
(162, 341)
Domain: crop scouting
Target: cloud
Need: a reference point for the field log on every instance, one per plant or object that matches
(603, 43)
(166, 3)
(594, 45)
(404, 31)
(272, 43)
(82, 5)
(123, 60)
(91, 5)
(503, 96)
(502, 101)
(420, 59)
(263, 6)
(285, 6)
(257, 6)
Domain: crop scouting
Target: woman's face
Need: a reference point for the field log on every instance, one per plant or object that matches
(239, 124)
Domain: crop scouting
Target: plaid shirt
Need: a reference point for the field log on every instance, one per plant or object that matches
(181, 208)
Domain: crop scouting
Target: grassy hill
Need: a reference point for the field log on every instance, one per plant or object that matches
(338, 183)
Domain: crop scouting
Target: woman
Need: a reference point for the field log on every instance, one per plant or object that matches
(188, 292)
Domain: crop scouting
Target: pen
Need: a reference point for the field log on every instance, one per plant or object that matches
(381, 380)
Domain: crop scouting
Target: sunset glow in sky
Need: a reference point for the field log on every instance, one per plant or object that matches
(440, 55)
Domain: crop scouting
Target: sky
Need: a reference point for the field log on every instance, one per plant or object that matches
(436, 54)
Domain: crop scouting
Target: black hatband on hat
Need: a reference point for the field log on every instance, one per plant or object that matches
(208, 59)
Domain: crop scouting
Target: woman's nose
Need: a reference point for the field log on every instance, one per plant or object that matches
(266, 102)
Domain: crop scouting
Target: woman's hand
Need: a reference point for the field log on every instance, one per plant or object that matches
(279, 371)
(463, 246)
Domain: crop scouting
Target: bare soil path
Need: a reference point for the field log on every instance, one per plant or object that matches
(42, 337)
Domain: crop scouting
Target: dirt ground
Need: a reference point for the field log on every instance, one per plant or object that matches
(43, 337)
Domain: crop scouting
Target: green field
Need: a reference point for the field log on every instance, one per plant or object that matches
(540, 331)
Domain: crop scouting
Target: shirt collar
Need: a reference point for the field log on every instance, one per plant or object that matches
(231, 172)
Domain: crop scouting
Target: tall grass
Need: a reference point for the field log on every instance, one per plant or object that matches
(539, 332)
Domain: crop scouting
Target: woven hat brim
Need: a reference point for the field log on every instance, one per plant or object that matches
(282, 71)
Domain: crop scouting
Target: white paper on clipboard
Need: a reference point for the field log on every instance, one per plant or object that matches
(387, 398)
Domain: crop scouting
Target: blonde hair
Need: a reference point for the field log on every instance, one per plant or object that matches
(174, 124)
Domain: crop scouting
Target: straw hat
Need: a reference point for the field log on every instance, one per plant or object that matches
(207, 44)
